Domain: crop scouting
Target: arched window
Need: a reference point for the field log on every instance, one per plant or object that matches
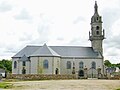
(24, 63)
(15, 64)
(45, 64)
(93, 65)
(81, 65)
(56, 71)
(68, 65)
(97, 32)
(23, 71)
(97, 18)
(97, 28)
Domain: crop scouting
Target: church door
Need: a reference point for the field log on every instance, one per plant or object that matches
(81, 73)
(56, 71)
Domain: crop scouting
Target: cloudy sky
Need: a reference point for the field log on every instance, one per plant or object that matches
(56, 22)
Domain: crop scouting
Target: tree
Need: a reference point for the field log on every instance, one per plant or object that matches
(118, 65)
(6, 64)
(2, 66)
(107, 63)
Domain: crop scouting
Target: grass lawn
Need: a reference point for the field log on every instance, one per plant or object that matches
(118, 89)
(5, 85)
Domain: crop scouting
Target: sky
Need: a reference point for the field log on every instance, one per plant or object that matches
(57, 23)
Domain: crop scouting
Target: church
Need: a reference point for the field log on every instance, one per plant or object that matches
(81, 61)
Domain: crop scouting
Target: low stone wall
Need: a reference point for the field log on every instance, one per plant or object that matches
(116, 77)
(39, 77)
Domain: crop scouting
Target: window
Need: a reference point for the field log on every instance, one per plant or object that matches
(97, 32)
(45, 64)
(93, 65)
(97, 18)
(97, 28)
(15, 64)
(23, 71)
(24, 63)
(81, 65)
(68, 65)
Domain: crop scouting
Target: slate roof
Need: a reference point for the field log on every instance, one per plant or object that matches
(45, 51)
(28, 50)
(61, 51)
(75, 51)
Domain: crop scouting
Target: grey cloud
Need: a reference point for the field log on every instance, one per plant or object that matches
(43, 31)
(11, 50)
(39, 41)
(60, 38)
(4, 7)
(111, 51)
(25, 37)
(79, 41)
(78, 19)
(24, 15)
(112, 46)
(111, 43)
(110, 15)
(75, 41)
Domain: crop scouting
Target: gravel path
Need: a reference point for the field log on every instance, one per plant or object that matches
(67, 85)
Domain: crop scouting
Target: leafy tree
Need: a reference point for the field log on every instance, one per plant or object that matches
(107, 63)
(1, 66)
(6, 64)
(118, 65)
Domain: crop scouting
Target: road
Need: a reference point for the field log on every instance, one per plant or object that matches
(67, 85)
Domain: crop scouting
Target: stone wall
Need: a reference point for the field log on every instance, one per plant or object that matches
(40, 77)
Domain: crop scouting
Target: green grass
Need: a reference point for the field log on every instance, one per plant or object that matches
(5, 85)
(118, 89)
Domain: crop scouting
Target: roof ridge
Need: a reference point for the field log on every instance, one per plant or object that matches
(45, 51)
(72, 46)
(59, 46)
(32, 46)
(52, 51)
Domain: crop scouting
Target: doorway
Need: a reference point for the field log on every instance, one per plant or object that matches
(81, 73)
(56, 71)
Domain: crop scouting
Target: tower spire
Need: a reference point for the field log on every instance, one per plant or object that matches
(96, 36)
(96, 8)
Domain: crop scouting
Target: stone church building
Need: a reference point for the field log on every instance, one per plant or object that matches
(81, 61)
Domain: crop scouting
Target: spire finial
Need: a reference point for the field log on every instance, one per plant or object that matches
(96, 7)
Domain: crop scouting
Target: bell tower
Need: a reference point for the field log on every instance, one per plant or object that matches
(96, 35)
